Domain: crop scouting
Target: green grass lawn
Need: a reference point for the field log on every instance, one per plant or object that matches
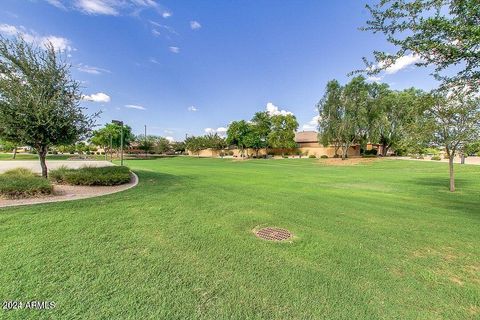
(384, 240)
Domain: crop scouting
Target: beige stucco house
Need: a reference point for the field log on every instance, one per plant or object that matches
(307, 143)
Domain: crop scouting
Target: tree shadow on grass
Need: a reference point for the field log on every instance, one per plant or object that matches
(442, 182)
(465, 199)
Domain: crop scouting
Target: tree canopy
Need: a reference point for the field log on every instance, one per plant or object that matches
(441, 33)
(39, 100)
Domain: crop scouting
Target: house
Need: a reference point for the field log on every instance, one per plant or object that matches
(309, 144)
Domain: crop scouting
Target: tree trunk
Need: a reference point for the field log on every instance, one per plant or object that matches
(385, 148)
(452, 175)
(14, 152)
(42, 154)
(344, 152)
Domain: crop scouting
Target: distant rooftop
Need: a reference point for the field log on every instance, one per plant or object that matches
(306, 136)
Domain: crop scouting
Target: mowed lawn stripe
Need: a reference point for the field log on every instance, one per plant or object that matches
(382, 240)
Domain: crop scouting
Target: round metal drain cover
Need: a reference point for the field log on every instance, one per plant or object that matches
(273, 234)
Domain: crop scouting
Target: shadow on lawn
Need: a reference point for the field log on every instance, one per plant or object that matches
(159, 179)
(442, 182)
(464, 199)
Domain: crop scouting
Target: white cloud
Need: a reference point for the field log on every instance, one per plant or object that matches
(274, 110)
(174, 49)
(97, 97)
(102, 7)
(312, 124)
(195, 25)
(92, 70)
(171, 139)
(221, 131)
(9, 30)
(56, 3)
(402, 63)
(192, 109)
(59, 43)
(153, 60)
(108, 7)
(133, 106)
(158, 28)
(166, 14)
(374, 78)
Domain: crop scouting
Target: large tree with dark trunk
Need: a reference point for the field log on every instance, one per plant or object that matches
(39, 100)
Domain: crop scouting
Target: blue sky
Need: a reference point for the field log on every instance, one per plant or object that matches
(193, 66)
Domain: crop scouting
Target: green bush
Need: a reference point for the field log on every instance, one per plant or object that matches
(370, 152)
(23, 183)
(369, 156)
(92, 176)
(436, 158)
(324, 156)
(312, 156)
(24, 172)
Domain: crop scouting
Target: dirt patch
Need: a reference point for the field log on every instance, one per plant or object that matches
(67, 193)
(347, 162)
(456, 281)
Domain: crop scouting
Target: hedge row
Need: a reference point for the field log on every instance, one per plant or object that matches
(92, 176)
(23, 183)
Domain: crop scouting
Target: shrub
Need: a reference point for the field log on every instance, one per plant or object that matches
(436, 158)
(369, 156)
(370, 152)
(230, 153)
(24, 172)
(324, 156)
(22, 184)
(92, 176)
(312, 156)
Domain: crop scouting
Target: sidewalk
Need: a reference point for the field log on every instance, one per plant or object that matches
(468, 160)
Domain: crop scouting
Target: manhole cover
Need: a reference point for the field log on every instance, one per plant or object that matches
(276, 234)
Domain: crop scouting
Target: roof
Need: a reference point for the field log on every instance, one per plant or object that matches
(306, 136)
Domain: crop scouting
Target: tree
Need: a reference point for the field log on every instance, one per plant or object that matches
(162, 145)
(441, 33)
(262, 122)
(472, 148)
(195, 144)
(344, 114)
(214, 141)
(178, 146)
(282, 135)
(331, 111)
(237, 134)
(146, 144)
(398, 111)
(9, 146)
(39, 100)
(110, 136)
(452, 121)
